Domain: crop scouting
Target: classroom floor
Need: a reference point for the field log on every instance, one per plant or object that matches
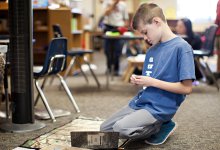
(198, 118)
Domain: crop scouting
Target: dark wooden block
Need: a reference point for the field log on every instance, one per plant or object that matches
(95, 139)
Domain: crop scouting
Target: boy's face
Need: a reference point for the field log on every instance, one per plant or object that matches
(151, 32)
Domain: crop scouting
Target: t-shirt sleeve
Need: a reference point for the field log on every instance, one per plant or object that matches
(186, 65)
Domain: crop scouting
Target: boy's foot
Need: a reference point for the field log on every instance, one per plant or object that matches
(159, 138)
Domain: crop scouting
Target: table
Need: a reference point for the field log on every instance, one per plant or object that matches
(133, 62)
(111, 57)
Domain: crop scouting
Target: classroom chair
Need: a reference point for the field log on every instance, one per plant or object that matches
(207, 51)
(54, 63)
(74, 54)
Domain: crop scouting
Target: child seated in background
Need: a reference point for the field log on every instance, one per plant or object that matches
(134, 48)
(184, 30)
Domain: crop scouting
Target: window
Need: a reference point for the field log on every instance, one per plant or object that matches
(200, 11)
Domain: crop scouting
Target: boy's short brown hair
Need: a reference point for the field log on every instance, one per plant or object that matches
(145, 13)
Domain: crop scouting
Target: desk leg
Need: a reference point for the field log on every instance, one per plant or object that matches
(112, 72)
(107, 77)
(109, 50)
(6, 91)
(129, 73)
(112, 58)
(126, 71)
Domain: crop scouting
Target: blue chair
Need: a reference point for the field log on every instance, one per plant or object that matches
(207, 51)
(54, 63)
(74, 54)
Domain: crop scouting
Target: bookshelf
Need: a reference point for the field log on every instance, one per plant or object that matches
(43, 19)
(76, 29)
(3, 18)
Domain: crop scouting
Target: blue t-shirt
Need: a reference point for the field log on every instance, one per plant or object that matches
(170, 61)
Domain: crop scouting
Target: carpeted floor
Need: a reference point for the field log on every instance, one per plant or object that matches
(198, 118)
(61, 136)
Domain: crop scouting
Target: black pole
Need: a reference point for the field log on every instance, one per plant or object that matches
(21, 58)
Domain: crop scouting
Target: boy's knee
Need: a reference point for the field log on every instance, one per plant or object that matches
(121, 128)
(118, 127)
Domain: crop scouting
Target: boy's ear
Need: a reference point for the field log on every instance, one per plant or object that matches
(156, 20)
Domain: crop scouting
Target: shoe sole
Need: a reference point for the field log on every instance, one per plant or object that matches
(171, 132)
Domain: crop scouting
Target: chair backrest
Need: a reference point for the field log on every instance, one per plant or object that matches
(55, 60)
(57, 31)
(209, 35)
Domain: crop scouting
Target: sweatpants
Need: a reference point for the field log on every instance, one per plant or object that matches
(132, 124)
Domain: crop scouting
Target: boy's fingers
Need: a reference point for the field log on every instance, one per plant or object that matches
(133, 76)
(138, 77)
(131, 80)
(139, 81)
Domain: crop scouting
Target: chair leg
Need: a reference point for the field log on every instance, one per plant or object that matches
(93, 74)
(51, 80)
(38, 95)
(45, 101)
(68, 93)
(201, 68)
(212, 76)
(208, 69)
(69, 67)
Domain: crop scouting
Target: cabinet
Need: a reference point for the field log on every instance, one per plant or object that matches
(76, 29)
(43, 20)
(3, 18)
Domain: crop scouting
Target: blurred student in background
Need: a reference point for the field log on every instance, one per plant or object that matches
(184, 30)
(217, 21)
(115, 16)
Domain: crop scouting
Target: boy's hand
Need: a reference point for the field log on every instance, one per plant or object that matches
(141, 80)
(133, 78)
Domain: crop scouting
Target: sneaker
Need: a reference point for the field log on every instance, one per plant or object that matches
(165, 131)
(195, 83)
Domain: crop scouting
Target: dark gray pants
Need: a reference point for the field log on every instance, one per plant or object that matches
(132, 124)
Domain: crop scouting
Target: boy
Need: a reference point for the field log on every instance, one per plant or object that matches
(166, 78)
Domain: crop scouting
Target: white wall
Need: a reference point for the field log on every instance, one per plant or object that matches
(170, 8)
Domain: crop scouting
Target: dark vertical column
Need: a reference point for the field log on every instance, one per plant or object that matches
(21, 58)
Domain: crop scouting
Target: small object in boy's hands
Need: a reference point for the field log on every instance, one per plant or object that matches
(133, 76)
